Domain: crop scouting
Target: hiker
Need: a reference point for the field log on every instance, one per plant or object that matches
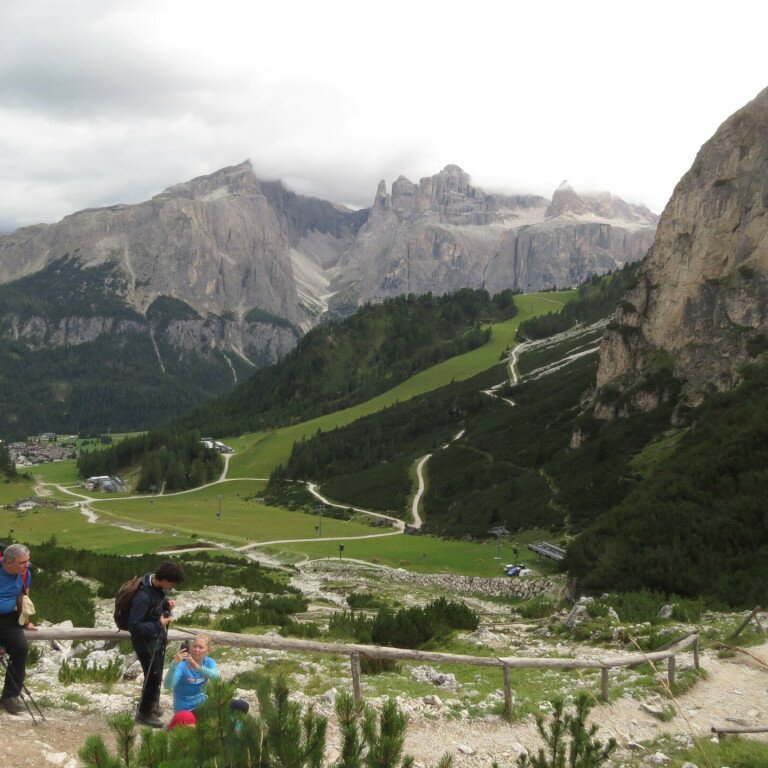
(190, 670)
(148, 624)
(15, 578)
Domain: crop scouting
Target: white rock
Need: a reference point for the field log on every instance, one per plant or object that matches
(658, 758)
(133, 671)
(465, 749)
(101, 659)
(519, 748)
(56, 758)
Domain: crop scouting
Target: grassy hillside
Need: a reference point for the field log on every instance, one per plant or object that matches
(349, 361)
(259, 453)
(513, 464)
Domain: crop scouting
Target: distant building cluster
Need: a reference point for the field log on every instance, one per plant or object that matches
(215, 445)
(28, 454)
(105, 483)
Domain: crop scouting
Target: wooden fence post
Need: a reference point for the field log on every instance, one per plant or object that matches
(671, 671)
(604, 682)
(696, 654)
(507, 692)
(753, 613)
(357, 673)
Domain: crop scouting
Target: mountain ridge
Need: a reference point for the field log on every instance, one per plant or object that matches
(256, 266)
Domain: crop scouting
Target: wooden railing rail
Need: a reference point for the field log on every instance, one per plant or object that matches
(356, 652)
(721, 733)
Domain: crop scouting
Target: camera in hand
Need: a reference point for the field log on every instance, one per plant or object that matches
(167, 613)
(185, 646)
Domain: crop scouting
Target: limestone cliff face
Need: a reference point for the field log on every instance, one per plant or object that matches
(255, 343)
(444, 234)
(214, 242)
(702, 298)
(224, 244)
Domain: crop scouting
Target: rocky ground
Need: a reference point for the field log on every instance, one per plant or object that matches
(734, 693)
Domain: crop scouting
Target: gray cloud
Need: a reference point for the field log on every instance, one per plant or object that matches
(104, 102)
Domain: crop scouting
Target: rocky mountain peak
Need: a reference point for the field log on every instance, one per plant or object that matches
(701, 302)
(448, 195)
(235, 179)
(567, 202)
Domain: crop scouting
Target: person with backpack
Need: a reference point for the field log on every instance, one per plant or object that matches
(15, 578)
(148, 622)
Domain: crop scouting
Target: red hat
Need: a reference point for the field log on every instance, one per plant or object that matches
(185, 717)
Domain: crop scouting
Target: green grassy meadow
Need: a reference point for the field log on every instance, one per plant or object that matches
(243, 519)
(181, 519)
(71, 529)
(424, 554)
(61, 472)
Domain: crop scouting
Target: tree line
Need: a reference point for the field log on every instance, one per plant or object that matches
(169, 460)
(597, 298)
(344, 362)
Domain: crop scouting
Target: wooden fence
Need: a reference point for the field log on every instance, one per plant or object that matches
(357, 652)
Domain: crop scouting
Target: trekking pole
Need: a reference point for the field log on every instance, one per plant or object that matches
(24, 693)
(148, 670)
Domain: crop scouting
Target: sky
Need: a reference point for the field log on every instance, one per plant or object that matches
(106, 102)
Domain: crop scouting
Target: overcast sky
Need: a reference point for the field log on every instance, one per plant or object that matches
(107, 102)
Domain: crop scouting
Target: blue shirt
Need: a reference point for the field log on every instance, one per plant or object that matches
(187, 682)
(10, 586)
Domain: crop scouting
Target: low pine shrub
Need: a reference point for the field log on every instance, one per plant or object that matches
(567, 734)
(308, 629)
(82, 672)
(200, 617)
(58, 599)
(285, 735)
(351, 625)
(406, 628)
(359, 600)
(273, 610)
(537, 607)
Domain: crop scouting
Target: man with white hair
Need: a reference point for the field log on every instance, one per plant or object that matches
(15, 577)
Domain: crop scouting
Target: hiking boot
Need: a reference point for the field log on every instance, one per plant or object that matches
(148, 718)
(157, 710)
(14, 705)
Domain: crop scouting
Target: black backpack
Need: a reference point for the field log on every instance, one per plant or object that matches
(124, 600)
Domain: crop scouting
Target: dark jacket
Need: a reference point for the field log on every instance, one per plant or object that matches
(146, 610)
